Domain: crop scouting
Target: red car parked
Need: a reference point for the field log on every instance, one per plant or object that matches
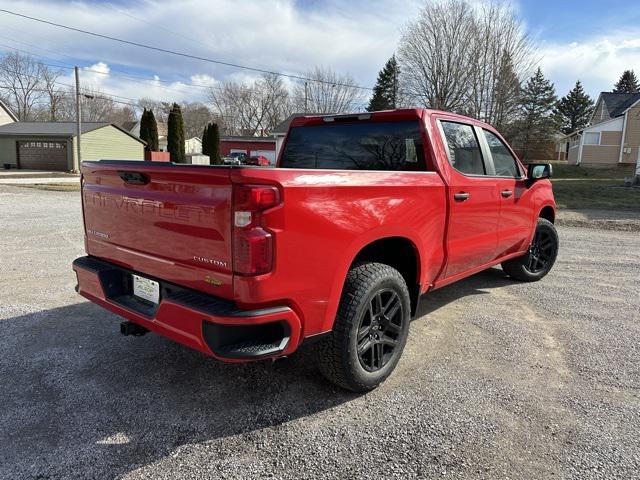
(259, 160)
(363, 214)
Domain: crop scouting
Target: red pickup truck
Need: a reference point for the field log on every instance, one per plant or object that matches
(363, 214)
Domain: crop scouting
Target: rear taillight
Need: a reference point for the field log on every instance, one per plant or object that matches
(252, 243)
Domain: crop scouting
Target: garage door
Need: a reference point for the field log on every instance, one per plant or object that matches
(43, 155)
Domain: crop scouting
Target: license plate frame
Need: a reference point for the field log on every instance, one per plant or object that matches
(145, 289)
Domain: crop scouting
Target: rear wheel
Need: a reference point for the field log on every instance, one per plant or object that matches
(370, 330)
(537, 262)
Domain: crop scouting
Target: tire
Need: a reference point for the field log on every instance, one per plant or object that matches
(374, 310)
(539, 260)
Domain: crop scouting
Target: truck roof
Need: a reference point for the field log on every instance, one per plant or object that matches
(381, 115)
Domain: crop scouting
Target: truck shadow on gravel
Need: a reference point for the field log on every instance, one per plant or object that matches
(478, 284)
(81, 401)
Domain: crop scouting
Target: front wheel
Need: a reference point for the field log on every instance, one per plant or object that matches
(537, 262)
(370, 330)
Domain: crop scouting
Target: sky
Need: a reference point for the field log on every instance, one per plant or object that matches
(586, 40)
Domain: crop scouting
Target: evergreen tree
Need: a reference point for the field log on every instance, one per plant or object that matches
(149, 130)
(213, 144)
(175, 134)
(628, 83)
(537, 124)
(385, 91)
(205, 140)
(574, 110)
(506, 96)
(144, 129)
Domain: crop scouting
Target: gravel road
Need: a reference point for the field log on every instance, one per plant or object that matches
(499, 379)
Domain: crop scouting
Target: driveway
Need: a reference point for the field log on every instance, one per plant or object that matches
(499, 379)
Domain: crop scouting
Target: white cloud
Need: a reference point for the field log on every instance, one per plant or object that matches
(355, 37)
(352, 37)
(596, 62)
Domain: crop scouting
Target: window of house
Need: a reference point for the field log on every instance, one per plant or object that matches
(464, 150)
(503, 161)
(592, 138)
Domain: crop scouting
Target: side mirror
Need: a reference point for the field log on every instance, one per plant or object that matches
(538, 171)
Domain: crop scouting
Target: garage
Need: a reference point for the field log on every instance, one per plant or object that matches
(43, 155)
(50, 146)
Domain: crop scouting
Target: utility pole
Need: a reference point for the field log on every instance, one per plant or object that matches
(77, 159)
(306, 98)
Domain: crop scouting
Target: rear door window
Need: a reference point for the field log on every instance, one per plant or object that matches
(463, 147)
(355, 146)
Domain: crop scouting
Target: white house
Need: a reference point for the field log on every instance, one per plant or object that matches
(193, 146)
(6, 115)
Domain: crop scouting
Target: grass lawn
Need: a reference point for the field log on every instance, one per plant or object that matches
(577, 187)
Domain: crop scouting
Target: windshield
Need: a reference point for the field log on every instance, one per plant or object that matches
(355, 146)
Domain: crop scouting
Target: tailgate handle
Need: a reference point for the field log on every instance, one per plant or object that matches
(135, 178)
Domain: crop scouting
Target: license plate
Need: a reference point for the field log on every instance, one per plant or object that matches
(146, 289)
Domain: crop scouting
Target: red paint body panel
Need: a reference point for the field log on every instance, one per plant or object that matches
(178, 227)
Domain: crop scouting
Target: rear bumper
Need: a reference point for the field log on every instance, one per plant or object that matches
(211, 325)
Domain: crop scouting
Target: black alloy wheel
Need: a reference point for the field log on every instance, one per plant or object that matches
(541, 252)
(538, 261)
(379, 330)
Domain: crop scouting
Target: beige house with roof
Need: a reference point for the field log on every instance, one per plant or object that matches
(613, 136)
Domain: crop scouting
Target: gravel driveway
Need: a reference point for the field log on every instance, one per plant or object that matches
(499, 379)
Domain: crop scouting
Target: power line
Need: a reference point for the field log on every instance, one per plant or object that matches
(147, 81)
(180, 54)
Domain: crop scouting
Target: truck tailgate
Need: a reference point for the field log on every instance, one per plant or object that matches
(170, 222)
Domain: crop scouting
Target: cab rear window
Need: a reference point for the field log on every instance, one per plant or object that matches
(355, 146)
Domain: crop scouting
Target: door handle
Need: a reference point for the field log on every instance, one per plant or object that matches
(135, 178)
(461, 197)
(506, 193)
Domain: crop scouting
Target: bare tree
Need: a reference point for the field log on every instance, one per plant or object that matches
(466, 57)
(195, 116)
(250, 109)
(22, 80)
(54, 92)
(436, 55)
(96, 107)
(503, 55)
(328, 92)
(276, 101)
(160, 109)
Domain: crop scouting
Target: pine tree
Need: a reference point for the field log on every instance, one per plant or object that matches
(537, 123)
(205, 139)
(628, 83)
(506, 96)
(213, 144)
(574, 109)
(385, 91)
(152, 142)
(175, 134)
(144, 128)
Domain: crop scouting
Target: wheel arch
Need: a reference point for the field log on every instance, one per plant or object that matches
(400, 253)
(548, 213)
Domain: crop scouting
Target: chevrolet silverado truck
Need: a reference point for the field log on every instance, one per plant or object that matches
(362, 215)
